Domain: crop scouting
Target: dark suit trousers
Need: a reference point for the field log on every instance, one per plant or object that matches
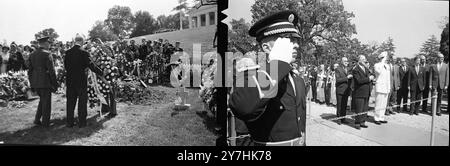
(314, 90)
(392, 98)
(44, 107)
(361, 105)
(416, 94)
(439, 99)
(342, 101)
(327, 93)
(402, 94)
(425, 95)
(74, 94)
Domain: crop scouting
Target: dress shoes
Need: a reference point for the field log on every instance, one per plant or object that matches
(378, 122)
(383, 121)
(363, 125)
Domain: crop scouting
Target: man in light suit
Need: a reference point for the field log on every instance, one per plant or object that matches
(442, 81)
(395, 85)
(382, 87)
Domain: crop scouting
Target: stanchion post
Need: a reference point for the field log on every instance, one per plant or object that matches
(232, 128)
(309, 108)
(433, 113)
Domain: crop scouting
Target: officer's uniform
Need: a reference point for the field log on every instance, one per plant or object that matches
(42, 77)
(280, 119)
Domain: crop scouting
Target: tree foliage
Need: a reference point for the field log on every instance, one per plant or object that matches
(101, 30)
(47, 32)
(120, 21)
(145, 24)
(430, 49)
(444, 42)
(324, 25)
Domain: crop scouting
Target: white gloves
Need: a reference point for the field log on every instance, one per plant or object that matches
(282, 50)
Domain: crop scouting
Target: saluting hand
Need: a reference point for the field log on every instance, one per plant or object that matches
(350, 76)
(282, 50)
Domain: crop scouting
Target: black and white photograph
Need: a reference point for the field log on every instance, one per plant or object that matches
(337, 73)
(108, 72)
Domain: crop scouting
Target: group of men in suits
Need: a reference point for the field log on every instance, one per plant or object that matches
(392, 83)
(42, 79)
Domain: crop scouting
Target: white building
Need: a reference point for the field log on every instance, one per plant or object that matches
(202, 15)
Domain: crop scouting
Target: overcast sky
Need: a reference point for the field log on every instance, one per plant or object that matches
(21, 19)
(408, 22)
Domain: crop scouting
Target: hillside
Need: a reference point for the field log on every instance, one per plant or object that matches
(187, 37)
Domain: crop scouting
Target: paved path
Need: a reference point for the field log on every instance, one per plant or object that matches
(402, 130)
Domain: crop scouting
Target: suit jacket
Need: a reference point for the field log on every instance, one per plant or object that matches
(278, 118)
(416, 80)
(395, 78)
(342, 82)
(361, 82)
(427, 75)
(41, 73)
(403, 77)
(383, 78)
(442, 80)
(76, 63)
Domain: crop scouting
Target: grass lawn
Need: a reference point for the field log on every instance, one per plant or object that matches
(136, 125)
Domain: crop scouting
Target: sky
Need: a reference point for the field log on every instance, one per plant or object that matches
(21, 19)
(408, 22)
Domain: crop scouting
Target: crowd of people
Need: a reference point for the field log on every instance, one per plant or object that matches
(391, 82)
(53, 66)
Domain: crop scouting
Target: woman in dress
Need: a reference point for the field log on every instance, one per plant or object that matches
(321, 76)
(333, 85)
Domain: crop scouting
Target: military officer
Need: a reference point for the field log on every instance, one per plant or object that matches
(42, 79)
(273, 106)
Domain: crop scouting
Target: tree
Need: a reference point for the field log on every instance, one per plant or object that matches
(444, 42)
(430, 49)
(182, 6)
(145, 24)
(47, 32)
(239, 40)
(321, 21)
(101, 30)
(389, 47)
(120, 21)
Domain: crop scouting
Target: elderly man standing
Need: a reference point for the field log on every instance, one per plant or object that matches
(42, 79)
(442, 81)
(343, 80)
(76, 62)
(402, 93)
(382, 87)
(362, 80)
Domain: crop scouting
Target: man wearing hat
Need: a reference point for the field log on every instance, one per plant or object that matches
(42, 77)
(76, 63)
(273, 106)
(383, 87)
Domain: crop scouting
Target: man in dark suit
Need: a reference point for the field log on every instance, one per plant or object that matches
(273, 106)
(416, 80)
(441, 82)
(362, 83)
(313, 78)
(42, 77)
(427, 80)
(76, 63)
(402, 93)
(343, 79)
